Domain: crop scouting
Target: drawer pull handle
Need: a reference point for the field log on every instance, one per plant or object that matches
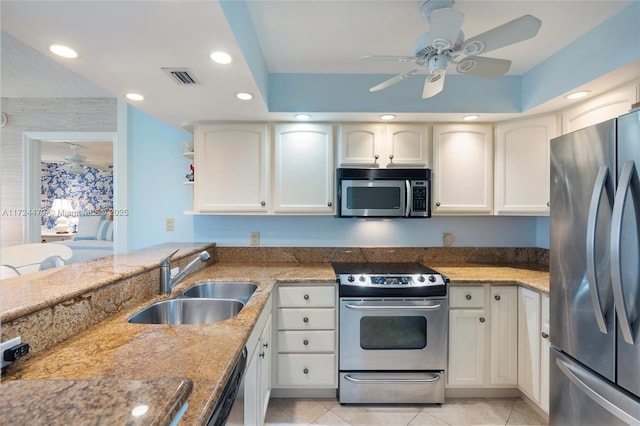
(305, 371)
(545, 335)
(305, 342)
(261, 355)
(306, 297)
(266, 345)
(468, 296)
(482, 319)
(497, 297)
(305, 319)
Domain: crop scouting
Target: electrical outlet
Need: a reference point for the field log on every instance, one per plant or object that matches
(447, 239)
(255, 238)
(169, 225)
(6, 345)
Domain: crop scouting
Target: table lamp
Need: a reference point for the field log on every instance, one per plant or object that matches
(60, 209)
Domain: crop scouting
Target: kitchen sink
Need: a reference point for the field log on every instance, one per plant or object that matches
(188, 311)
(241, 291)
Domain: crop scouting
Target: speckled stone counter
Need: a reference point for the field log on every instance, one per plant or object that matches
(92, 402)
(496, 275)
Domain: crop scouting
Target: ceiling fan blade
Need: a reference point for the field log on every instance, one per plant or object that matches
(394, 80)
(102, 167)
(433, 84)
(388, 58)
(483, 67)
(445, 24)
(514, 31)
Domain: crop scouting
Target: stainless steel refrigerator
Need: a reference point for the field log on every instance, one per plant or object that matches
(595, 275)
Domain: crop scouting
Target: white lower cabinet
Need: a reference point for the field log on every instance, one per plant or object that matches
(307, 339)
(482, 336)
(529, 343)
(545, 347)
(257, 376)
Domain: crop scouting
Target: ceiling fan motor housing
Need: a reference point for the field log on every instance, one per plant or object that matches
(431, 5)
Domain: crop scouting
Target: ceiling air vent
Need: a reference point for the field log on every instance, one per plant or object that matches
(180, 75)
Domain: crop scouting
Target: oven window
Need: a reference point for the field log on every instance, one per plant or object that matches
(373, 197)
(389, 333)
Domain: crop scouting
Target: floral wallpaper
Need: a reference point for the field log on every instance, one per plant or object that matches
(90, 192)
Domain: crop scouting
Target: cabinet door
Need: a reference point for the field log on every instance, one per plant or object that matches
(407, 146)
(522, 166)
(264, 368)
(251, 383)
(231, 168)
(545, 347)
(529, 343)
(599, 109)
(504, 335)
(303, 169)
(462, 169)
(466, 347)
(360, 144)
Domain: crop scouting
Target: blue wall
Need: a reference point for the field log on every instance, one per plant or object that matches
(157, 170)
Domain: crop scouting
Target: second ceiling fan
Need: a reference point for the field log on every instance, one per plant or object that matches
(444, 44)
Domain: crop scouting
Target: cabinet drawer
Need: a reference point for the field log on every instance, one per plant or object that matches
(306, 341)
(466, 297)
(307, 370)
(306, 319)
(320, 296)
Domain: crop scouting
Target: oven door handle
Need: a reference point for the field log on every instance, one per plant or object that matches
(352, 379)
(393, 307)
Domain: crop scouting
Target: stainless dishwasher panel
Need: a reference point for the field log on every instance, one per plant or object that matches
(392, 387)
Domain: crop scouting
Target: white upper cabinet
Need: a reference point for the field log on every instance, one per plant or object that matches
(303, 171)
(599, 109)
(392, 145)
(231, 168)
(462, 169)
(522, 166)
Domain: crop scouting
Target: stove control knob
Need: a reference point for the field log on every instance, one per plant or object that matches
(350, 278)
(421, 278)
(362, 278)
(432, 278)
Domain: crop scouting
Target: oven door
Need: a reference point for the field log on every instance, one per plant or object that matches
(393, 334)
(373, 198)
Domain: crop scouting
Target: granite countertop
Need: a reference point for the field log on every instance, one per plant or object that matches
(83, 402)
(115, 349)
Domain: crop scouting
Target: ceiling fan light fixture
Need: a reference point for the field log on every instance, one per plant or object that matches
(137, 97)
(63, 51)
(220, 57)
(578, 95)
(387, 117)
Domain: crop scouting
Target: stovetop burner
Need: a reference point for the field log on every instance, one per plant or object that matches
(405, 279)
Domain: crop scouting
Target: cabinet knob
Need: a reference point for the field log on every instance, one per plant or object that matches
(329, 204)
(306, 297)
(497, 297)
(548, 203)
(545, 335)
(438, 204)
(482, 319)
(261, 354)
(305, 371)
(305, 319)
(262, 203)
(468, 296)
(305, 342)
(391, 158)
(266, 345)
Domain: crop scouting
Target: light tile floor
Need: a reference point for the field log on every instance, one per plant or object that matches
(498, 411)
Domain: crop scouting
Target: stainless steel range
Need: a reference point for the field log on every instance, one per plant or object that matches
(393, 333)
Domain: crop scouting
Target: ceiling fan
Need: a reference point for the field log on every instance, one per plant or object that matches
(444, 44)
(76, 163)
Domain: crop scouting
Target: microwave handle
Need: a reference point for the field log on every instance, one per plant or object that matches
(409, 199)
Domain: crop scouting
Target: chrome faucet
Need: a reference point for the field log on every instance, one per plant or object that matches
(169, 278)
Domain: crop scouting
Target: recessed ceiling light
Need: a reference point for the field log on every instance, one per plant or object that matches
(134, 97)
(578, 95)
(470, 117)
(64, 51)
(387, 117)
(303, 116)
(244, 96)
(221, 58)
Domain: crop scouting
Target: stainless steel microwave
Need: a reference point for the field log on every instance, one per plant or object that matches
(383, 192)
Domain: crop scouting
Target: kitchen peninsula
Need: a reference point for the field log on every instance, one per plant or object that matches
(114, 350)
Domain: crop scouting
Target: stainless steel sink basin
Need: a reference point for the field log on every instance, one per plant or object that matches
(241, 291)
(188, 311)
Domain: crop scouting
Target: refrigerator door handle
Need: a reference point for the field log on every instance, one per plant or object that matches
(624, 185)
(592, 224)
(597, 390)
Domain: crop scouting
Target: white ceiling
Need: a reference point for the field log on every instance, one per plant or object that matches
(124, 44)
(100, 152)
